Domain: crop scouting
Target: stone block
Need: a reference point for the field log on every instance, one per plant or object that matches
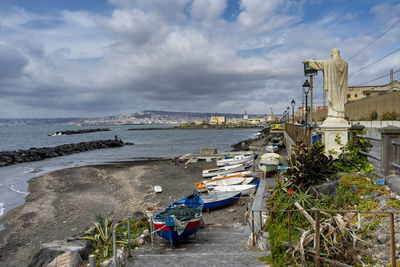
(67, 259)
(208, 150)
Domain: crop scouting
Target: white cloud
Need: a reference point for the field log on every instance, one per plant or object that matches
(207, 9)
(174, 55)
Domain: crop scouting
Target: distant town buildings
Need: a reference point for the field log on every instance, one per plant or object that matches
(360, 92)
(217, 120)
(256, 121)
(245, 116)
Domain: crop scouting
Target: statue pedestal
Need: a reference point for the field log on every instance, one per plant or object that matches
(333, 128)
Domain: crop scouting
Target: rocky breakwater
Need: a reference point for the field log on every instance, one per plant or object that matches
(262, 139)
(35, 154)
(83, 131)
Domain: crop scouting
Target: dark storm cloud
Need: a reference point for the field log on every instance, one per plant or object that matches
(12, 62)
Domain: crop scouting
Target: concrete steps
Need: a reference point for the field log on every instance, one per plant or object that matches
(212, 247)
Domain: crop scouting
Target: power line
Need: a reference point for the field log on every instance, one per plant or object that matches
(382, 77)
(373, 41)
(398, 49)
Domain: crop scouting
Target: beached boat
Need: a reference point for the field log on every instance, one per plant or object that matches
(202, 186)
(269, 162)
(247, 180)
(247, 189)
(231, 156)
(272, 148)
(223, 170)
(217, 201)
(234, 174)
(180, 219)
(237, 159)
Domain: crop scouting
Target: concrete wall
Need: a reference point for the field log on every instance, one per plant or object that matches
(381, 104)
(361, 109)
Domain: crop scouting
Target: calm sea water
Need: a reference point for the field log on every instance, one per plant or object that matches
(150, 143)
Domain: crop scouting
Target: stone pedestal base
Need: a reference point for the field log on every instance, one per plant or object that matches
(333, 128)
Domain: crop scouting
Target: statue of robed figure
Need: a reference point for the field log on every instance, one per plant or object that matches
(335, 82)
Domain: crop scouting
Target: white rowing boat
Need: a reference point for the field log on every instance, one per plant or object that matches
(237, 159)
(241, 174)
(247, 189)
(223, 170)
(202, 186)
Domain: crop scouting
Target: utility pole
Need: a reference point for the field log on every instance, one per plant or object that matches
(311, 99)
(391, 78)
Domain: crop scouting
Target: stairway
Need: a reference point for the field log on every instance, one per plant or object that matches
(213, 246)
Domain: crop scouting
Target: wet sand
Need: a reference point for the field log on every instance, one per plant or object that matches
(62, 203)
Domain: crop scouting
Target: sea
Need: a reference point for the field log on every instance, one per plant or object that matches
(147, 144)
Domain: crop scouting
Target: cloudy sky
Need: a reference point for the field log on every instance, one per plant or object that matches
(64, 58)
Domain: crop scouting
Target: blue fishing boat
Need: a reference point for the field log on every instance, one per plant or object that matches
(180, 219)
(220, 200)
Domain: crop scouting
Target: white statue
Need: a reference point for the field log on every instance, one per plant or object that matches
(335, 82)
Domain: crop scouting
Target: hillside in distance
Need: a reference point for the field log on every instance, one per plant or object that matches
(160, 117)
(143, 117)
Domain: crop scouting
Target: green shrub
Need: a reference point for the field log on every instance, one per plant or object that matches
(389, 116)
(350, 160)
(373, 116)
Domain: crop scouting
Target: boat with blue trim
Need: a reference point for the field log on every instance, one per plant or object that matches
(180, 219)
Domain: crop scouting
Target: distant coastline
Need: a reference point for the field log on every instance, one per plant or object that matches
(197, 128)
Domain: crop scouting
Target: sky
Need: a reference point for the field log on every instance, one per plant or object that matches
(76, 58)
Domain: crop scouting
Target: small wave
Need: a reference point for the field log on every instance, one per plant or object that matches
(17, 191)
(55, 134)
(33, 170)
(2, 209)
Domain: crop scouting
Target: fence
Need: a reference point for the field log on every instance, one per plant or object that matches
(316, 254)
(299, 133)
(390, 148)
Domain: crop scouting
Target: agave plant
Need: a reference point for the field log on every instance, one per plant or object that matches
(101, 234)
(309, 166)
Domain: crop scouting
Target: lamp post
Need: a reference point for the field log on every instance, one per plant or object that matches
(293, 103)
(288, 114)
(306, 89)
(309, 72)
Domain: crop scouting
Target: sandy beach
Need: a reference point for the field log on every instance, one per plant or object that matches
(62, 203)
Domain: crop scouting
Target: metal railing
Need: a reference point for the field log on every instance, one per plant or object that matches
(390, 152)
(316, 253)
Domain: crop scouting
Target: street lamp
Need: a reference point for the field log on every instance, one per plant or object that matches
(288, 114)
(293, 103)
(306, 89)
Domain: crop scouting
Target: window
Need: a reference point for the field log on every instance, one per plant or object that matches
(355, 95)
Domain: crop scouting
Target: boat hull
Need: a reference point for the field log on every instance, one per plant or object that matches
(202, 186)
(222, 170)
(217, 201)
(234, 161)
(245, 189)
(170, 234)
(180, 219)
